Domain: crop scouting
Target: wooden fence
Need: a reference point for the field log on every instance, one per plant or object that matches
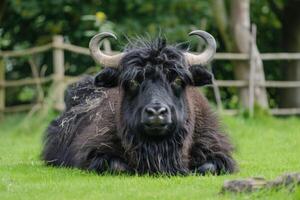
(59, 79)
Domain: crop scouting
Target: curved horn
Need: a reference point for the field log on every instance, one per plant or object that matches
(101, 58)
(207, 55)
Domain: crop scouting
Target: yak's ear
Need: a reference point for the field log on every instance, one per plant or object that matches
(201, 76)
(108, 77)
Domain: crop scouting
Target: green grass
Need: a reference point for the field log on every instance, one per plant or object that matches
(265, 147)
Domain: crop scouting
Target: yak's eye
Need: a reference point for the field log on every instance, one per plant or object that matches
(177, 86)
(133, 85)
(178, 82)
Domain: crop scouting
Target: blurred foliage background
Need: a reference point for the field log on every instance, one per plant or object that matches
(28, 23)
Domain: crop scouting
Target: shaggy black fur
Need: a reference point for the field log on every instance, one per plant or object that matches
(102, 128)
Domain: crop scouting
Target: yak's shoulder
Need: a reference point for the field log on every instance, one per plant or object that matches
(199, 103)
(194, 94)
(86, 106)
(84, 91)
(204, 114)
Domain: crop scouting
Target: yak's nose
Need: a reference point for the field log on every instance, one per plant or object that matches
(155, 110)
(156, 115)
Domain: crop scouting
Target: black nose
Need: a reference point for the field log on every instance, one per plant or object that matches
(156, 110)
(156, 115)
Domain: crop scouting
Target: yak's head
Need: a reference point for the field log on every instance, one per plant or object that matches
(153, 78)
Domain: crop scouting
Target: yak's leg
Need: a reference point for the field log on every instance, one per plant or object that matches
(106, 163)
(211, 150)
(211, 153)
(103, 153)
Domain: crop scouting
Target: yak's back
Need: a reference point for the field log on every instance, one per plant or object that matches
(80, 92)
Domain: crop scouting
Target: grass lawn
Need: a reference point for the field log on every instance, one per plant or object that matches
(265, 147)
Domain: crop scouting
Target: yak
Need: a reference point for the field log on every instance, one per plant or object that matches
(142, 114)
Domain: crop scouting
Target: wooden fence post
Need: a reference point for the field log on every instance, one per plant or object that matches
(252, 71)
(59, 72)
(2, 88)
(216, 91)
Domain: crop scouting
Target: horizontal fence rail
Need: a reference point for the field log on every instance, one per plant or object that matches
(61, 80)
(85, 51)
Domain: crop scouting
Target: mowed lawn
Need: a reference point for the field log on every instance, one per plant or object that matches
(265, 147)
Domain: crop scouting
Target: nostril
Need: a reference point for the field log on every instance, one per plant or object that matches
(162, 111)
(150, 111)
(156, 111)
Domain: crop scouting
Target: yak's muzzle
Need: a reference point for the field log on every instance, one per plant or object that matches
(156, 119)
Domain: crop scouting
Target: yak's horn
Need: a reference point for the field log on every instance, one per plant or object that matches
(101, 58)
(209, 52)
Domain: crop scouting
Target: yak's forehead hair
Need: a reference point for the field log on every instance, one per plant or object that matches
(155, 55)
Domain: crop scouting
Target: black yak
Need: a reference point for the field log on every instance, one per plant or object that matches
(142, 114)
